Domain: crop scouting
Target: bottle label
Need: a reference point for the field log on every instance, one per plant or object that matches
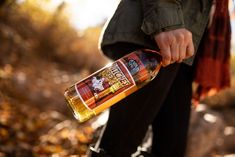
(104, 85)
(135, 63)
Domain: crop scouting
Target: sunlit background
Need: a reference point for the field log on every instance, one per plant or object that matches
(82, 13)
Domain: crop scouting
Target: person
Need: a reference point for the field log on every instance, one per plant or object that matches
(174, 28)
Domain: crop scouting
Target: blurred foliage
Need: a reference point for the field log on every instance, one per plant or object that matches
(41, 55)
(28, 30)
(37, 133)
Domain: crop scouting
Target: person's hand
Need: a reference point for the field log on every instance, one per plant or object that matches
(175, 45)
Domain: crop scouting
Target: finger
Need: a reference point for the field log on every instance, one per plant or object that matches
(163, 44)
(179, 61)
(182, 52)
(189, 46)
(174, 52)
(190, 50)
(166, 56)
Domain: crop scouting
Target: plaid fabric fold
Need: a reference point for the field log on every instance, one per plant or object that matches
(212, 64)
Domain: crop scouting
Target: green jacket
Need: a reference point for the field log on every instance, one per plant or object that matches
(135, 21)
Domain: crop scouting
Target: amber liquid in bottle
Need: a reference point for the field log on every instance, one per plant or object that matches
(112, 83)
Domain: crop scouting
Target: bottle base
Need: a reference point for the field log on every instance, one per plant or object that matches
(79, 110)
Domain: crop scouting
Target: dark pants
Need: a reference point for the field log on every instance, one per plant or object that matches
(165, 104)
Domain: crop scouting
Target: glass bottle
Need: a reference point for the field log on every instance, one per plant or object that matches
(112, 83)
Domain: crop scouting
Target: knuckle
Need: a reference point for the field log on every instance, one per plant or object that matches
(161, 38)
(165, 63)
(175, 58)
(182, 56)
(189, 34)
(181, 37)
(162, 34)
(167, 57)
(180, 60)
(173, 39)
(184, 45)
(190, 53)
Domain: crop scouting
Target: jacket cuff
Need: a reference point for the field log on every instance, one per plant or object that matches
(162, 17)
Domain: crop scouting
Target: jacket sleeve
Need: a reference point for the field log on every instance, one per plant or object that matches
(161, 15)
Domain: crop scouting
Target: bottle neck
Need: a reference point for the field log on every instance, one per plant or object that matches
(154, 61)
